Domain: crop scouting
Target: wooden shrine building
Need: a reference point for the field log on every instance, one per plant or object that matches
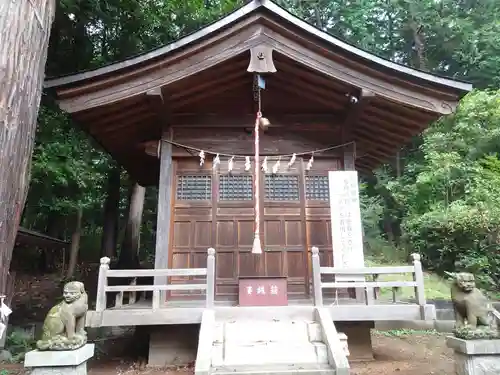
(155, 112)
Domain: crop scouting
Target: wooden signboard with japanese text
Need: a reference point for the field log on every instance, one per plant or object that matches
(263, 291)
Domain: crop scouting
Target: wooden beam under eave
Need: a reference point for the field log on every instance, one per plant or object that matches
(121, 129)
(114, 123)
(182, 103)
(164, 211)
(356, 108)
(357, 105)
(278, 120)
(307, 74)
(377, 130)
(317, 94)
(205, 87)
(370, 138)
(373, 160)
(364, 167)
(159, 105)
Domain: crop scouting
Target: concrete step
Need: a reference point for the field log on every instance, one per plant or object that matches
(270, 353)
(302, 369)
(253, 331)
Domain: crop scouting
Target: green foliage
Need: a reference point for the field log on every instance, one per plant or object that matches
(451, 198)
(404, 332)
(18, 343)
(375, 244)
(480, 333)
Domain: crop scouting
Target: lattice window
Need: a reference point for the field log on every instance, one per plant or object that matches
(194, 187)
(282, 187)
(235, 188)
(317, 188)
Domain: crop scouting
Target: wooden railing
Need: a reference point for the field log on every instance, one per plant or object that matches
(371, 288)
(159, 274)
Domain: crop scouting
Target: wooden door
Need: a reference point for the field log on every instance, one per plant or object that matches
(192, 232)
(234, 227)
(284, 231)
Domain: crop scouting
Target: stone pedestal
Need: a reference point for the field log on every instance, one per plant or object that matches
(359, 339)
(475, 357)
(173, 345)
(68, 362)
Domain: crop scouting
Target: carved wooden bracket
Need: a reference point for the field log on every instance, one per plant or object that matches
(261, 60)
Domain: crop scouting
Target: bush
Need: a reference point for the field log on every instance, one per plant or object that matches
(460, 238)
(18, 343)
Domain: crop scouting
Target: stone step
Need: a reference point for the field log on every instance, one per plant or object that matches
(269, 353)
(253, 331)
(302, 369)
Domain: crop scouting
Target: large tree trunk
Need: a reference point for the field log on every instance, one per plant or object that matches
(130, 248)
(24, 36)
(75, 244)
(111, 213)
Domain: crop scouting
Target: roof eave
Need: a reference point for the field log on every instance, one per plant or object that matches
(188, 39)
(238, 14)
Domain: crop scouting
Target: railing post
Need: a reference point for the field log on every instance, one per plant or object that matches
(102, 283)
(418, 277)
(316, 269)
(210, 278)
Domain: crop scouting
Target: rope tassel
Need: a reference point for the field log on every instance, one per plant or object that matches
(257, 247)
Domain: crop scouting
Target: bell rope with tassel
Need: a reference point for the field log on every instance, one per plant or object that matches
(257, 247)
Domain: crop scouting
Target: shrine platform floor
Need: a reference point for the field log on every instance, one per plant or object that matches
(190, 312)
(178, 303)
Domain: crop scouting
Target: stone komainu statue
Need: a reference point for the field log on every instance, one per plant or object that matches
(64, 326)
(471, 306)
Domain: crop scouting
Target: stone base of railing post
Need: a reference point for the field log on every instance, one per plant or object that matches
(475, 357)
(65, 362)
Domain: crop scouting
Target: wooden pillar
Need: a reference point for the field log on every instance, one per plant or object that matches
(353, 115)
(349, 158)
(164, 211)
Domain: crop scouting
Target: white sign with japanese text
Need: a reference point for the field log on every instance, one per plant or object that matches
(347, 234)
(261, 289)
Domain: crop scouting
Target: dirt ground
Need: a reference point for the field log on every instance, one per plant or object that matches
(408, 355)
(414, 354)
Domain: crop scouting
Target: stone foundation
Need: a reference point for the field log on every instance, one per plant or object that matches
(171, 345)
(359, 339)
(475, 357)
(68, 362)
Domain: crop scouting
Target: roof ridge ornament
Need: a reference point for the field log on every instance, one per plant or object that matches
(261, 59)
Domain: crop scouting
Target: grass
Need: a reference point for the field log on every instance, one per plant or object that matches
(403, 332)
(435, 287)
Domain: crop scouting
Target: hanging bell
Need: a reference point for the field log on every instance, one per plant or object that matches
(261, 60)
(264, 123)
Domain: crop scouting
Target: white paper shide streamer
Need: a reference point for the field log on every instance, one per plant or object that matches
(276, 166)
(310, 163)
(264, 165)
(216, 161)
(5, 311)
(202, 157)
(248, 164)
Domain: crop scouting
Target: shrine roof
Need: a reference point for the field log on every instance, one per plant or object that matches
(201, 75)
(26, 237)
